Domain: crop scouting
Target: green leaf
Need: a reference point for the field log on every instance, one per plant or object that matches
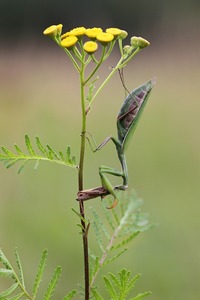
(19, 151)
(7, 152)
(53, 152)
(96, 294)
(110, 288)
(29, 146)
(125, 241)
(6, 272)
(5, 261)
(40, 146)
(9, 291)
(61, 155)
(70, 295)
(21, 275)
(16, 297)
(94, 268)
(21, 168)
(68, 152)
(114, 257)
(40, 272)
(140, 296)
(53, 284)
(49, 154)
(73, 160)
(11, 163)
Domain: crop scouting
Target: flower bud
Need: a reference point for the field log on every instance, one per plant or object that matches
(143, 43)
(123, 34)
(134, 42)
(127, 49)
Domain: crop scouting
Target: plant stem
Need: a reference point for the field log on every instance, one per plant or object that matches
(80, 188)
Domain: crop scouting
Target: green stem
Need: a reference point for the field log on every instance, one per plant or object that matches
(104, 83)
(80, 186)
(98, 65)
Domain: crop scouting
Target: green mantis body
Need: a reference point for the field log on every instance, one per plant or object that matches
(127, 121)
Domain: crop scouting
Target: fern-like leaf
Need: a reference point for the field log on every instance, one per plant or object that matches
(110, 288)
(114, 257)
(5, 273)
(16, 297)
(124, 223)
(96, 294)
(9, 291)
(21, 275)
(141, 296)
(29, 145)
(18, 290)
(48, 154)
(53, 284)
(121, 286)
(40, 272)
(70, 295)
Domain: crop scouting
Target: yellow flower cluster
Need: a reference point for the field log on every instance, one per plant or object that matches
(70, 38)
(96, 35)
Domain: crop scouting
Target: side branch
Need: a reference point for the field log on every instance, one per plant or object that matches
(101, 191)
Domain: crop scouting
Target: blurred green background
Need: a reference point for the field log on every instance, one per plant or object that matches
(39, 95)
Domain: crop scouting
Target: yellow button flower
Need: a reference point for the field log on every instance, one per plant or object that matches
(104, 38)
(79, 31)
(114, 31)
(90, 47)
(69, 41)
(51, 31)
(64, 35)
(93, 32)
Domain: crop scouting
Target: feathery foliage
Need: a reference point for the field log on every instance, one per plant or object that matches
(47, 154)
(18, 290)
(120, 227)
(120, 287)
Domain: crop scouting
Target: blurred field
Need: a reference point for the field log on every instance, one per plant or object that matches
(39, 95)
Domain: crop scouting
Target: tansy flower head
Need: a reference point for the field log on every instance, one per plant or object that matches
(114, 31)
(64, 35)
(93, 32)
(69, 41)
(104, 38)
(79, 31)
(53, 31)
(90, 47)
(59, 29)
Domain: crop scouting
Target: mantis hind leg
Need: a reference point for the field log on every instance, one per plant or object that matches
(107, 184)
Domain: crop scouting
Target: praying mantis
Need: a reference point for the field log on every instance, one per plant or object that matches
(127, 121)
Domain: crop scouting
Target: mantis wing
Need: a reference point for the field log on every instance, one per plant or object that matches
(131, 111)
